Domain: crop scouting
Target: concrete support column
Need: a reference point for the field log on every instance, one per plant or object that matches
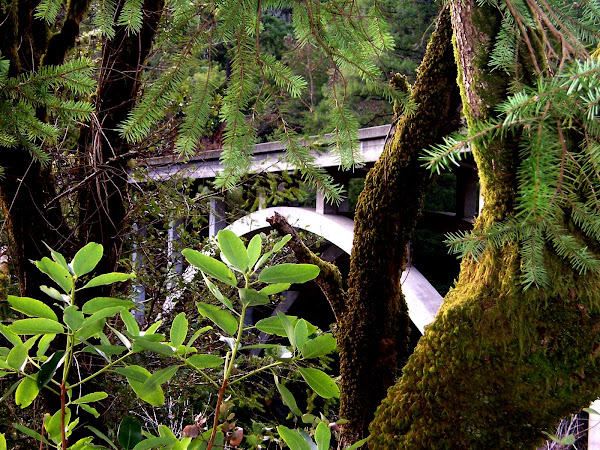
(173, 242)
(139, 296)
(216, 216)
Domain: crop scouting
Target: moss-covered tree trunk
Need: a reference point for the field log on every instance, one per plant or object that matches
(500, 363)
(373, 329)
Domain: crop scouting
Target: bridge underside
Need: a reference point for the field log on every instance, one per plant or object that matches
(422, 298)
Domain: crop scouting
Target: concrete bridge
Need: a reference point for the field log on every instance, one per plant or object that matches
(326, 220)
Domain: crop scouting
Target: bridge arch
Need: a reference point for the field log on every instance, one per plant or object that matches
(421, 297)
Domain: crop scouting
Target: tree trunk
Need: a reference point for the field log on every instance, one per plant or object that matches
(372, 334)
(500, 363)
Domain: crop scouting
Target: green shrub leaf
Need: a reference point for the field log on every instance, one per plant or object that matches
(275, 288)
(210, 266)
(56, 272)
(36, 326)
(205, 361)
(292, 438)
(250, 297)
(254, 249)
(91, 397)
(323, 436)
(287, 397)
(98, 303)
(31, 307)
(319, 346)
(108, 278)
(26, 392)
(223, 319)
(289, 273)
(48, 369)
(179, 329)
(320, 382)
(73, 317)
(233, 249)
(87, 258)
(130, 432)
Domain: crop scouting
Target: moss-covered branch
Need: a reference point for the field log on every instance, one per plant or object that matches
(329, 279)
(373, 334)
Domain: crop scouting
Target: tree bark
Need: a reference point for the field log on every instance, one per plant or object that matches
(372, 333)
(500, 364)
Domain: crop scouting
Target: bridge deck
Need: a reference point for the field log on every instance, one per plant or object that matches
(268, 157)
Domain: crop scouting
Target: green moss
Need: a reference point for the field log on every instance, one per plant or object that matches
(373, 333)
(500, 364)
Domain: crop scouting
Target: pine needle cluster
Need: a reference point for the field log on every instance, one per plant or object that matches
(350, 36)
(54, 91)
(557, 122)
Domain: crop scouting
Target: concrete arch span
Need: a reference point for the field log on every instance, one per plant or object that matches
(422, 298)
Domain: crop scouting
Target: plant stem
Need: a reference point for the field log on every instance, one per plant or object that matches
(63, 437)
(228, 368)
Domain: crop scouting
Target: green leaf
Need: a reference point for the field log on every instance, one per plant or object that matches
(272, 325)
(136, 376)
(301, 334)
(56, 272)
(154, 442)
(130, 432)
(358, 444)
(280, 353)
(250, 297)
(319, 346)
(91, 397)
(157, 347)
(292, 438)
(287, 397)
(57, 257)
(275, 288)
(48, 369)
(87, 258)
(36, 326)
(31, 307)
(108, 278)
(289, 273)
(26, 392)
(12, 337)
(73, 317)
(44, 344)
(52, 425)
(2, 442)
(210, 266)
(233, 249)
(288, 327)
(101, 435)
(279, 245)
(591, 411)
(53, 293)
(216, 292)
(205, 361)
(91, 410)
(320, 382)
(98, 303)
(223, 319)
(179, 329)
(154, 381)
(130, 323)
(197, 334)
(18, 355)
(30, 432)
(323, 436)
(254, 249)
